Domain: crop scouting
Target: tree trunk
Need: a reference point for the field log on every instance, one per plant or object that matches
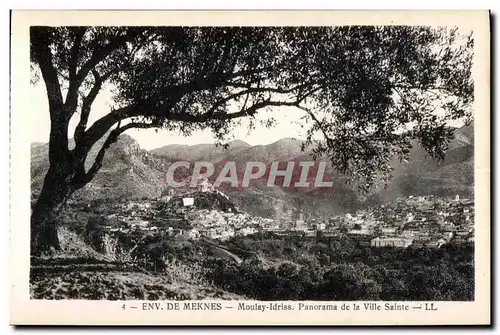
(55, 192)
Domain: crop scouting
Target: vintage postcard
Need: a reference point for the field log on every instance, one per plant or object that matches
(250, 168)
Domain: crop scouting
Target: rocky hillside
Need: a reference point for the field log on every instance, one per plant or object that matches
(127, 172)
(199, 152)
(421, 175)
(131, 172)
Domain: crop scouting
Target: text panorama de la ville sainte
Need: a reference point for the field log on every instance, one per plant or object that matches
(279, 306)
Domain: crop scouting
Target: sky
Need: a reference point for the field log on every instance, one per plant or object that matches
(287, 124)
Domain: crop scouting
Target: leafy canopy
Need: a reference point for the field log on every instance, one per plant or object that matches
(366, 91)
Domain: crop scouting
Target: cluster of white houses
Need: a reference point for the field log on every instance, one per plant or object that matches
(422, 221)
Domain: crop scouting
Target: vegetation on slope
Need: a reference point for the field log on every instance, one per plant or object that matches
(79, 272)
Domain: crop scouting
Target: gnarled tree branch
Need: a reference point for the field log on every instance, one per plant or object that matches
(41, 54)
(88, 100)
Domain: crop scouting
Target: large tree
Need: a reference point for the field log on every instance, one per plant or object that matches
(366, 92)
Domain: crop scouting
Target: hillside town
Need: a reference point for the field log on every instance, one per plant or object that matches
(205, 212)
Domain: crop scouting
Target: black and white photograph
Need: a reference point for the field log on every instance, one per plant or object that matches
(253, 163)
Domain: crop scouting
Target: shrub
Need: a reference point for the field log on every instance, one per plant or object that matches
(193, 273)
(74, 245)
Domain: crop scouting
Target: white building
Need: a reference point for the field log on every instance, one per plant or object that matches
(193, 233)
(321, 226)
(407, 233)
(310, 233)
(388, 230)
(187, 202)
(245, 231)
(360, 232)
(390, 242)
(205, 186)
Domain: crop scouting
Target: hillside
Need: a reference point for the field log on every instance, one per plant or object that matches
(130, 172)
(127, 172)
(201, 152)
(422, 175)
(79, 272)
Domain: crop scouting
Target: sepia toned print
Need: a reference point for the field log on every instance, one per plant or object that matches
(258, 168)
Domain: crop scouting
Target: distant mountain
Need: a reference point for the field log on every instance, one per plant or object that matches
(131, 172)
(423, 175)
(200, 152)
(464, 136)
(281, 150)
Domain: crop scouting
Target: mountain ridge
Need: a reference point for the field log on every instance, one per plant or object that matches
(130, 172)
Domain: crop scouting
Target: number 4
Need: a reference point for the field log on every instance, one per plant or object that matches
(123, 306)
